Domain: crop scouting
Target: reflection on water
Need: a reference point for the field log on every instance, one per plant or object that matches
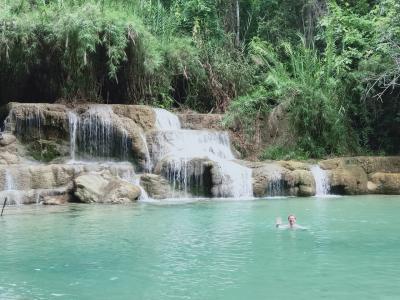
(202, 250)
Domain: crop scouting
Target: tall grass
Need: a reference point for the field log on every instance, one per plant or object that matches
(117, 51)
(297, 76)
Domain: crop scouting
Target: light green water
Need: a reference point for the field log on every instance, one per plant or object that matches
(204, 250)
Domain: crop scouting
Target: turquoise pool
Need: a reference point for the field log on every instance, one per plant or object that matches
(203, 250)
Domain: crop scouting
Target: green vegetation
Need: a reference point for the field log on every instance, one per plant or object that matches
(335, 65)
(45, 151)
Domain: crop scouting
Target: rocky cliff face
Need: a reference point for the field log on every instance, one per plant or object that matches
(52, 154)
(364, 175)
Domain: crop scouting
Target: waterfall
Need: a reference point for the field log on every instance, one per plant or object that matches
(93, 134)
(148, 163)
(191, 143)
(236, 180)
(26, 124)
(73, 125)
(10, 183)
(11, 189)
(130, 176)
(321, 181)
(166, 120)
(184, 152)
(275, 185)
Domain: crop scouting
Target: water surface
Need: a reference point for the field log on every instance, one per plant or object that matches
(203, 250)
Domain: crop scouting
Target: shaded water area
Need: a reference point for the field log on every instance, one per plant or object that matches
(203, 250)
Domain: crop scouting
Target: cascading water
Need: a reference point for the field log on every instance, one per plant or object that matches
(93, 134)
(73, 125)
(148, 163)
(321, 180)
(191, 143)
(181, 150)
(10, 183)
(166, 120)
(275, 185)
(10, 189)
(26, 125)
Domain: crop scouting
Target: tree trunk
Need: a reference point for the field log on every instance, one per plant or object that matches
(237, 39)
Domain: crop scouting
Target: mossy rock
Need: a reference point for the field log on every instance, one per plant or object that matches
(45, 151)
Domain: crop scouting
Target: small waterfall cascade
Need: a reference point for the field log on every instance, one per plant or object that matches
(130, 176)
(10, 183)
(321, 180)
(148, 164)
(73, 125)
(93, 134)
(185, 143)
(27, 125)
(10, 189)
(166, 120)
(236, 180)
(275, 185)
(185, 151)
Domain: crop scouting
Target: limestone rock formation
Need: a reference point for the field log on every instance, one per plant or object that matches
(348, 180)
(370, 164)
(288, 178)
(45, 129)
(7, 157)
(300, 183)
(363, 174)
(201, 121)
(267, 180)
(384, 183)
(157, 187)
(55, 199)
(104, 188)
(7, 139)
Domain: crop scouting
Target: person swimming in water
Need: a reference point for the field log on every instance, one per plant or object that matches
(292, 223)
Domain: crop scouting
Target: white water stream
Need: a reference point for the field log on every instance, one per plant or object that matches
(180, 147)
(321, 181)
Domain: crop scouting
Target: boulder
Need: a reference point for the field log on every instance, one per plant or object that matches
(104, 188)
(197, 121)
(384, 183)
(294, 165)
(268, 180)
(156, 186)
(348, 180)
(143, 116)
(7, 139)
(300, 183)
(55, 200)
(7, 158)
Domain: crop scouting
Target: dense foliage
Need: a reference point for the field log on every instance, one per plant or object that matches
(335, 65)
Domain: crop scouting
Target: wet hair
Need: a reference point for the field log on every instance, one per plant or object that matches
(291, 216)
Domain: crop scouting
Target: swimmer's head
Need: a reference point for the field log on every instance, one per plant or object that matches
(291, 219)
